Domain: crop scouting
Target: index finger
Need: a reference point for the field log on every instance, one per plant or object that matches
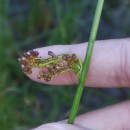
(109, 66)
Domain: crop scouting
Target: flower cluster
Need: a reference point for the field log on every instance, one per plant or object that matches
(51, 66)
(27, 61)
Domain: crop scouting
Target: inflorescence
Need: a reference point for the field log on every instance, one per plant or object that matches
(51, 66)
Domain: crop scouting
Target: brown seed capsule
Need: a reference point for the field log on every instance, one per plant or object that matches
(61, 64)
(50, 53)
(53, 72)
(70, 65)
(27, 70)
(31, 52)
(34, 53)
(48, 78)
(76, 60)
(57, 66)
(28, 56)
(73, 56)
(64, 57)
(38, 77)
(24, 54)
(23, 62)
(68, 58)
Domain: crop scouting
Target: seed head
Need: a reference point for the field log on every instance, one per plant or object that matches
(50, 66)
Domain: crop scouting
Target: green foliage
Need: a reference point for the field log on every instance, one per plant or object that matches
(92, 38)
(30, 24)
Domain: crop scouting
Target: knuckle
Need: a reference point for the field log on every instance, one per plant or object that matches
(123, 68)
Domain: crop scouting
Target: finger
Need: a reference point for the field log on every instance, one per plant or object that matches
(109, 64)
(59, 126)
(115, 117)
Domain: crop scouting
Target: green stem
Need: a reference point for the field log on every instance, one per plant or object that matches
(85, 69)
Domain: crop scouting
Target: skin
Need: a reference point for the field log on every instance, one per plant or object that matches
(109, 67)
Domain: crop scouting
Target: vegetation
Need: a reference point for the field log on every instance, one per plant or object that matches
(84, 72)
(25, 25)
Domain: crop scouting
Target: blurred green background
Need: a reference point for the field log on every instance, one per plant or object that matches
(28, 24)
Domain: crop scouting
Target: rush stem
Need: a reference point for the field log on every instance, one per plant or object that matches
(86, 64)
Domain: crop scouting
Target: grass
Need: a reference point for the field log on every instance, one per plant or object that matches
(23, 103)
(87, 60)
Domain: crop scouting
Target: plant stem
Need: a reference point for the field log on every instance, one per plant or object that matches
(85, 69)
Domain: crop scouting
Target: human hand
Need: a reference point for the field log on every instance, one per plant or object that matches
(109, 67)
